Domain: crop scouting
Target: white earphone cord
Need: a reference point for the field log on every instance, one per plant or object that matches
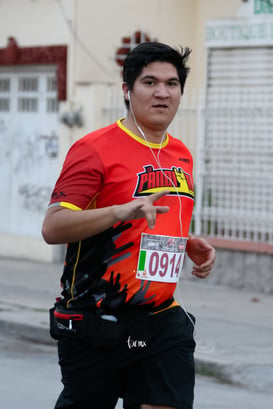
(157, 160)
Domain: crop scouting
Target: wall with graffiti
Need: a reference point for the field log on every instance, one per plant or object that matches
(29, 154)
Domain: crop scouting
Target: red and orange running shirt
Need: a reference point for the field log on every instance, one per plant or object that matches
(113, 166)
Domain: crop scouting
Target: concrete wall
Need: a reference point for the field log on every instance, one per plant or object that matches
(33, 22)
(102, 24)
(240, 269)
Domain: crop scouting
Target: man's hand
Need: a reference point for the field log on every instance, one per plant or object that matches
(142, 207)
(202, 254)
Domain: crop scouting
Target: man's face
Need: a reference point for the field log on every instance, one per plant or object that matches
(155, 96)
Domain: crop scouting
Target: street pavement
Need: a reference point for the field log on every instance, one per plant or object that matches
(234, 329)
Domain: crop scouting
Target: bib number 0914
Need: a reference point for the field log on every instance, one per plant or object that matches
(160, 258)
(163, 264)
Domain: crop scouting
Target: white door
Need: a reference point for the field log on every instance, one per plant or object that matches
(28, 146)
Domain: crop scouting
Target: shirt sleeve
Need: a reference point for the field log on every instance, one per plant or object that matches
(81, 177)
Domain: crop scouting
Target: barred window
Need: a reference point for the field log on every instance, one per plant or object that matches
(28, 84)
(4, 105)
(52, 105)
(51, 84)
(27, 104)
(4, 84)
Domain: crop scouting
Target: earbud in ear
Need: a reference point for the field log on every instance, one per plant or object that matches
(128, 94)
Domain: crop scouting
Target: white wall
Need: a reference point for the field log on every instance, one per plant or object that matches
(33, 22)
(101, 25)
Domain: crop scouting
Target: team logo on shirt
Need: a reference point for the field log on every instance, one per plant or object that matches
(153, 180)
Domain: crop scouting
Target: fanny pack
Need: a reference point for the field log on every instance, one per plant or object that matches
(96, 328)
(99, 328)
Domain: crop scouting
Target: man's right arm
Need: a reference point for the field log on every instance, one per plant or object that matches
(62, 225)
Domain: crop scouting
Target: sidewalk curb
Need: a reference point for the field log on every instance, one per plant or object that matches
(250, 376)
(28, 332)
(223, 372)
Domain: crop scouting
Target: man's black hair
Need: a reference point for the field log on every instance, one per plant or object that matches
(148, 52)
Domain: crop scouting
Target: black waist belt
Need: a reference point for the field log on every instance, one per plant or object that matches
(99, 327)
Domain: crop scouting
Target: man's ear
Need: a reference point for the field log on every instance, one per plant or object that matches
(125, 90)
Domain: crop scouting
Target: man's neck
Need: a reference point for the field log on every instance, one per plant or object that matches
(153, 136)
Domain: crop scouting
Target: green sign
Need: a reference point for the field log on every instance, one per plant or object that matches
(239, 32)
(263, 6)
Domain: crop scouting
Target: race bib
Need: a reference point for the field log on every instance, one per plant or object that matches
(160, 258)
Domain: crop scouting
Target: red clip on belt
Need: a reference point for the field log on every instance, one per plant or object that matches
(76, 317)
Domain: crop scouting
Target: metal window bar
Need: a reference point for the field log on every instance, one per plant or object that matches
(4, 84)
(27, 84)
(4, 104)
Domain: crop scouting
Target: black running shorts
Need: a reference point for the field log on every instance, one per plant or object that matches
(153, 365)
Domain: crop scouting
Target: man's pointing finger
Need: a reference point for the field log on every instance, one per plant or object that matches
(158, 195)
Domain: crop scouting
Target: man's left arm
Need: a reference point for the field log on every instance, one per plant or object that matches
(202, 254)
